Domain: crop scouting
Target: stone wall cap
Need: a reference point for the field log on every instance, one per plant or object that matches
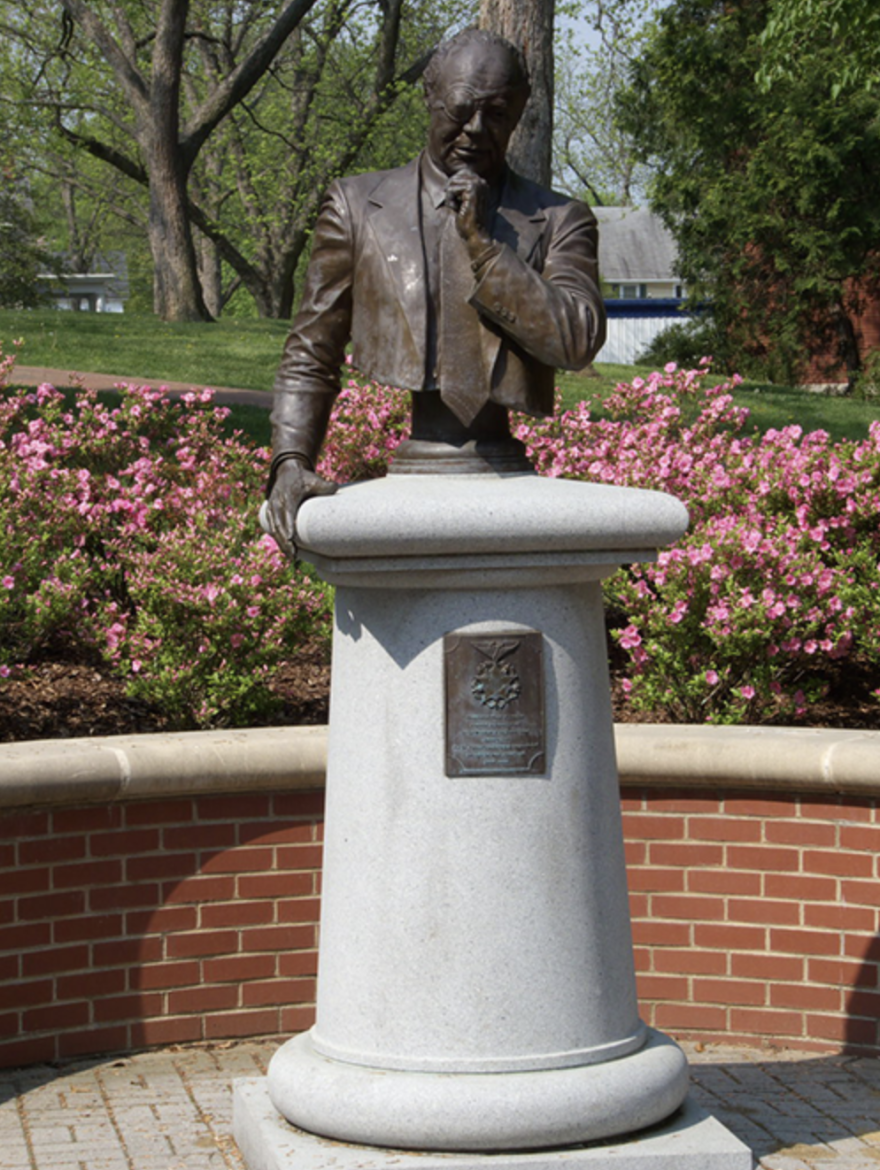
(143, 767)
(667, 755)
(453, 515)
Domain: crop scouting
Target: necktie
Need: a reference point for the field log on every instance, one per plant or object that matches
(464, 386)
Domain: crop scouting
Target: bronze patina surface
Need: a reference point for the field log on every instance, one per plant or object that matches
(452, 277)
(494, 704)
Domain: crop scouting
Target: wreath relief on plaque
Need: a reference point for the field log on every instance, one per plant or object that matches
(494, 703)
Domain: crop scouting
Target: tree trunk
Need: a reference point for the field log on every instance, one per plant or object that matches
(210, 274)
(848, 347)
(529, 25)
(177, 291)
(177, 288)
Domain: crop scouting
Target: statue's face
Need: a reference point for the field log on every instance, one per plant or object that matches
(474, 109)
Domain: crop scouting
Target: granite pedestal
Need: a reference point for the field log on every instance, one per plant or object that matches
(476, 989)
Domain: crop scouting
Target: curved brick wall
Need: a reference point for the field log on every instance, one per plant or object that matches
(187, 917)
(756, 918)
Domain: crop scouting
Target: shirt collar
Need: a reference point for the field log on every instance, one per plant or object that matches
(434, 183)
(433, 180)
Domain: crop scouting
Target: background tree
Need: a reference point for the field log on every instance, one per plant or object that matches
(23, 253)
(342, 96)
(794, 27)
(593, 157)
(529, 25)
(772, 196)
(187, 100)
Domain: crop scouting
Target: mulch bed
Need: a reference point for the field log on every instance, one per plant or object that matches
(57, 700)
(60, 700)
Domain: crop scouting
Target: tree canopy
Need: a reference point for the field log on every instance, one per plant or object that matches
(231, 118)
(594, 157)
(795, 27)
(773, 195)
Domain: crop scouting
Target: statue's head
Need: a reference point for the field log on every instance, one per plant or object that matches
(476, 87)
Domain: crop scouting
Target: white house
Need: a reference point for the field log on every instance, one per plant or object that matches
(637, 257)
(103, 289)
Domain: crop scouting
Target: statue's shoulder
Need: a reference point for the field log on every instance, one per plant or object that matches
(530, 196)
(357, 189)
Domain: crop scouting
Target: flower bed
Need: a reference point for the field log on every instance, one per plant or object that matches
(131, 536)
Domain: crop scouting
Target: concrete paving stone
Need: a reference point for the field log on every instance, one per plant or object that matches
(850, 1145)
(96, 1132)
(783, 1162)
(133, 1112)
(62, 1163)
(55, 1136)
(50, 1154)
(13, 1150)
(137, 1142)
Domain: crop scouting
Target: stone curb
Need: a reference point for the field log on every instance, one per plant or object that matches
(143, 767)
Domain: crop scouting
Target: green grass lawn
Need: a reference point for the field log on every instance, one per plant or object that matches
(235, 352)
(244, 353)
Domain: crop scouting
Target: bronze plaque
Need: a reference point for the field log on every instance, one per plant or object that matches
(494, 704)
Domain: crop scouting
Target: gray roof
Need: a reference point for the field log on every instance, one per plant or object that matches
(634, 245)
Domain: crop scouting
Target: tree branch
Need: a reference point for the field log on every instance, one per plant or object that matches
(238, 84)
(125, 70)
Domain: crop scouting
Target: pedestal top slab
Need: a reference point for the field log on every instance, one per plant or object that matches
(455, 515)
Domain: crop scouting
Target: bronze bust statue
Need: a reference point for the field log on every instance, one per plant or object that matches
(452, 277)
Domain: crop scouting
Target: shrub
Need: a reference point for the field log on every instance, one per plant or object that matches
(367, 423)
(685, 343)
(774, 585)
(867, 382)
(131, 533)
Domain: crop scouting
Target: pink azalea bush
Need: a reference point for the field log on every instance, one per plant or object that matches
(773, 589)
(366, 426)
(133, 532)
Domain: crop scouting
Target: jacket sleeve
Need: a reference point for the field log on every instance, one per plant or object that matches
(308, 378)
(555, 312)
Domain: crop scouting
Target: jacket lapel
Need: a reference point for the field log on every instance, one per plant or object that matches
(519, 221)
(393, 218)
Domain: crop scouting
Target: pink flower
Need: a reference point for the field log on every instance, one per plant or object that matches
(630, 638)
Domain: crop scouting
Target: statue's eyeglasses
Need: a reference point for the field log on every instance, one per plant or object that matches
(461, 110)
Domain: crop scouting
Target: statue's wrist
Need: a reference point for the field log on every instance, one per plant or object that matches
(482, 253)
(286, 457)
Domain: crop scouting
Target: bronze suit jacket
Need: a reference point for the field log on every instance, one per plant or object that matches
(538, 299)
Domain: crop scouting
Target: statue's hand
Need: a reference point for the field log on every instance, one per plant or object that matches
(469, 196)
(294, 483)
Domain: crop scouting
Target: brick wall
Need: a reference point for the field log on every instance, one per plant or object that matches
(824, 368)
(132, 924)
(756, 919)
(128, 925)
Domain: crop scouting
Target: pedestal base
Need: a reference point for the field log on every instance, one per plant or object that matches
(690, 1140)
(478, 1111)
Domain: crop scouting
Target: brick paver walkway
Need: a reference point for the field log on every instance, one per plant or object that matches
(171, 1109)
